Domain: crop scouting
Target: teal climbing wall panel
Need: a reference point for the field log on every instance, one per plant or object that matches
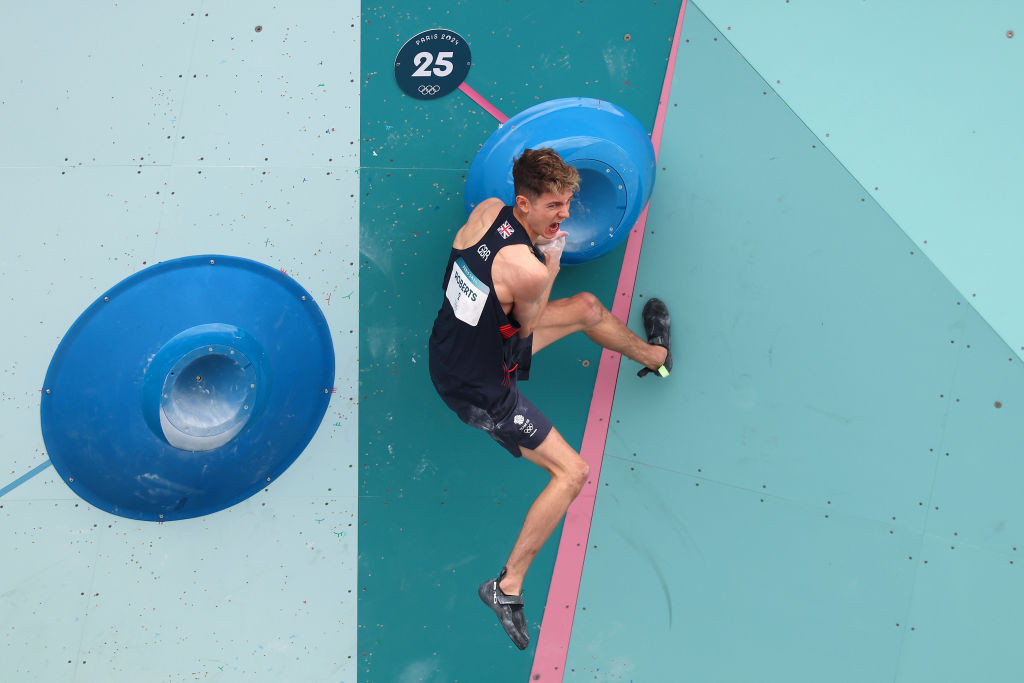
(441, 504)
(817, 492)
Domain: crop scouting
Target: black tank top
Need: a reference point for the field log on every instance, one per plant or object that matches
(475, 350)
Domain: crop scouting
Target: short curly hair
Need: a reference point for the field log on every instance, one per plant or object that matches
(541, 170)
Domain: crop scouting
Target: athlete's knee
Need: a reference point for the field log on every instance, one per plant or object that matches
(591, 310)
(577, 473)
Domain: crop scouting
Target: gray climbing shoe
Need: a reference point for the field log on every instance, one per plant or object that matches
(509, 609)
(657, 325)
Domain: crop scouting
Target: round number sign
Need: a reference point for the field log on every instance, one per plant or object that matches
(432, 64)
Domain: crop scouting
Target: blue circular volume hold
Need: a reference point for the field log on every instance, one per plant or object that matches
(187, 388)
(608, 146)
(432, 64)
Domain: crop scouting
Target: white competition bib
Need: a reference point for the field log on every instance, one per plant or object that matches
(466, 293)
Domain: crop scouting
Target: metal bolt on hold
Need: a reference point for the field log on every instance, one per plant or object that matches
(258, 29)
(211, 262)
(106, 298)
(47, 391)
(327, 391)
(268, 478)
(303, 297)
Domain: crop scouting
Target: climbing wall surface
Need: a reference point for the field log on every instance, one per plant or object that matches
(133, 134)
(824, 487)
(440, 503)
(918, 101)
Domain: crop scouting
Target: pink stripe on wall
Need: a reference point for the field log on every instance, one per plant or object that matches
(482, 101)
(556, 628)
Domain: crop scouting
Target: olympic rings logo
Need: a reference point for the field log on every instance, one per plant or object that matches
(429, 89)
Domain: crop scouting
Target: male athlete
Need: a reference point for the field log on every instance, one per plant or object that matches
(495, 315)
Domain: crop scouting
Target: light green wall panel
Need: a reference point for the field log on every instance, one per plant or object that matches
(919, 100)
(133, 134)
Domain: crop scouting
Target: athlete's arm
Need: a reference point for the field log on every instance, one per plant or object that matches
(528, 281)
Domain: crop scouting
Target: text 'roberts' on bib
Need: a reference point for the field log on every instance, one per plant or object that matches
(466, 293)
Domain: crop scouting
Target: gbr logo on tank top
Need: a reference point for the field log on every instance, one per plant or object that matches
(466, 293)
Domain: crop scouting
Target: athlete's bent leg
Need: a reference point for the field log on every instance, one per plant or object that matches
(568, 475)
(585, 312)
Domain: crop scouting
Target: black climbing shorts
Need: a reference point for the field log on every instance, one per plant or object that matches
(524, 425)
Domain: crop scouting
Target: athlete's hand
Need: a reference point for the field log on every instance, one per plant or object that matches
(552, 248)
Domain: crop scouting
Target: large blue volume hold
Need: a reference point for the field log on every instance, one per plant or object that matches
(187, 388)
(608, 146)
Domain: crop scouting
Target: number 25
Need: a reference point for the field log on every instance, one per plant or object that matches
(424, 59)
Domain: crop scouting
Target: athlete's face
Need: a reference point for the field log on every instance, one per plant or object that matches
(545, 214)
